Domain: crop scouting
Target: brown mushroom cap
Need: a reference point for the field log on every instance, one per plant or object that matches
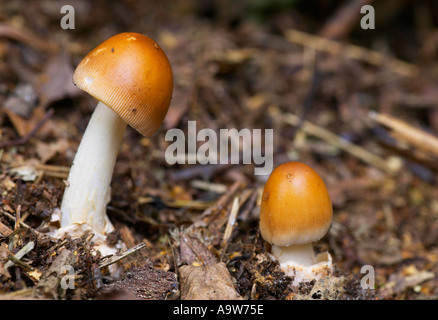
(296, 207)
(130, 74)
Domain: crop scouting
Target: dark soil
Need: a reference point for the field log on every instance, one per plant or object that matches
(235, 66)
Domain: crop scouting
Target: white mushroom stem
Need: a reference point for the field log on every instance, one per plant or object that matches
(88, 187)
(300, 262)
(299, 254)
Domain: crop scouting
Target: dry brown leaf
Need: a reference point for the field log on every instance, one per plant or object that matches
(191, 250)
(207, 283)
(22, 125)
(409, 277)
(56, 81)
(4, 253)
(4, 230)
(47, 151)
(180, 105)
(8, 184)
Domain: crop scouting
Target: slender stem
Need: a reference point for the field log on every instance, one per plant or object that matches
(88, 187)
(301, 254)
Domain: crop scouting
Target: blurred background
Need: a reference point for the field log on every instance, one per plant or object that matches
(358, 105)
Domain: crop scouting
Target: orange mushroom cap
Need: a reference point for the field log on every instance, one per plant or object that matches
(296, 207)
(130, 74)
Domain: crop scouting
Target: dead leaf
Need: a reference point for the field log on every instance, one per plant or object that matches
(407, 278)
(22, 100)
(56, 81)
(180, 105)
(25, 125)
(4, 253)
(191, 250)
(25, 172)
(207, 283)
(47, 151)
(4, 231)
(8, 184)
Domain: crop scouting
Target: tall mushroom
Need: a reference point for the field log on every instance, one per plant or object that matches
(132, 78)
(295, 211)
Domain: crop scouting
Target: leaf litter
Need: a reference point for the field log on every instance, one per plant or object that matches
(189, 223)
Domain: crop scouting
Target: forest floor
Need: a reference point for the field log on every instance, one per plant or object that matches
(363, 114)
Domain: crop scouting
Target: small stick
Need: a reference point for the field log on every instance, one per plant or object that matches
(24, 37)
(44, 167)
(189, 204)
(209, 186)
(204, 171)
(231, 220)
(15, 232)
(17, 217)
(343, 20)
(21, 253)
(20, 263)
(24, 225)
(230, 225)
(107, 261)
(251, 203)
(350, 51)
(222, 202)
(408, 133)
(13, 240)
(52, 168)
(59, 175)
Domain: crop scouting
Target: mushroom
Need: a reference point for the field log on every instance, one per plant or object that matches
(295, 211)
(132, 78)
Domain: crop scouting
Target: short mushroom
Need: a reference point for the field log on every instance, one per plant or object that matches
(295, 211)
(132, 78)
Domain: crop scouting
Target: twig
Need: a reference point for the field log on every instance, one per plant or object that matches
(52, 168)
(230, 225)
(402, 130)
(340, 24)
(21, 253)
(25, 37)
(252, 201)
(189, 204)
(28, 136)
(205, 171)
(8, 215)
(53, 171)
(337, 141)
(312, 67)
(220, 204)
(231, 220)
(209, 186)
(17, 217)
(107, 261)
(15, 232)
(350, 51)
(20, 263)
